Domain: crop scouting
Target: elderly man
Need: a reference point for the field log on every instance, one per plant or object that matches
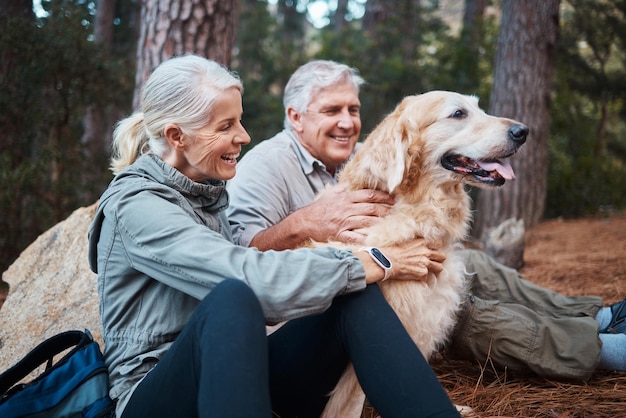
(513, 322)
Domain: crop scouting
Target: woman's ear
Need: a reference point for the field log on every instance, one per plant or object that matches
(174, 136)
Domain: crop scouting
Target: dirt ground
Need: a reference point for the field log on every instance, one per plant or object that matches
(583, 256)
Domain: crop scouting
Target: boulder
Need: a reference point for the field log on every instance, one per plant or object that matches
(51, 289)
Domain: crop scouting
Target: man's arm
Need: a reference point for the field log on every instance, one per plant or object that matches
(335, 215)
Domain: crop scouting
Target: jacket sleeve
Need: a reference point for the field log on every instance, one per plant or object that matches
(167, 243)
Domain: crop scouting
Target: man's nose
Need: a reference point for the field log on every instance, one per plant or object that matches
(345, 119)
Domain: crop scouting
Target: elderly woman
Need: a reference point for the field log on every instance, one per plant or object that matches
(184, 309)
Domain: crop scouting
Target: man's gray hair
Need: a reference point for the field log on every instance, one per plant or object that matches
(312, 77)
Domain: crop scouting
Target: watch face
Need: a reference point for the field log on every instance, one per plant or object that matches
(381, 257)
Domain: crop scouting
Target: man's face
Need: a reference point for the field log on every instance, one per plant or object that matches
(329, 128)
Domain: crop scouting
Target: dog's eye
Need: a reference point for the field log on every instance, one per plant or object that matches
(458, 114)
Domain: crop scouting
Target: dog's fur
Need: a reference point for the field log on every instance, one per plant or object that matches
(423, 153)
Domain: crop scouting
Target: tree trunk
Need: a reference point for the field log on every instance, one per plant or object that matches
(468, 77)
(410, 24)
(472, 18)
(376, 13)
(339, 21)
(524, 65)
(94, 140)
(394, 23)
(178, 27)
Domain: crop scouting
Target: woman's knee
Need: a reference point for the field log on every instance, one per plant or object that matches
(235, 289)
(233, 300)
(359, 308)
(370, 297)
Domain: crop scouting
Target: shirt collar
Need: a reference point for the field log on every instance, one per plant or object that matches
(309, 163)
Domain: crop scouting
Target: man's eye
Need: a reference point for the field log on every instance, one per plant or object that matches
(330, 112)
(354, 111)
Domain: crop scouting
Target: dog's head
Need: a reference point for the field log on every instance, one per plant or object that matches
(444, 136)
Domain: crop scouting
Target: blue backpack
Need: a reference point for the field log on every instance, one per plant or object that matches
(76, 386)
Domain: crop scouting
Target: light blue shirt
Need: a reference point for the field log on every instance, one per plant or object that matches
(274, 179)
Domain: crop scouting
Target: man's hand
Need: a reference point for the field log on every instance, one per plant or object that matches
(335, 215)
(339, 215)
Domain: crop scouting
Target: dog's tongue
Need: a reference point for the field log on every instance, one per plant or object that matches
(504, 169)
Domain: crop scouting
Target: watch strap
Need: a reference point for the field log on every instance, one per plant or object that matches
(380, 259)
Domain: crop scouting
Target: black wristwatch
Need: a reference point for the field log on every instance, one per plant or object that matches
(380, 259)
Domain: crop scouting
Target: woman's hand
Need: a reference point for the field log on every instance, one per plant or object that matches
(410, 260)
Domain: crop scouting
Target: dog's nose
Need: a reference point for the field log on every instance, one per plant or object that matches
(518, 133)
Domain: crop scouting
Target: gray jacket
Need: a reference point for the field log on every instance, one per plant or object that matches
(160, 242)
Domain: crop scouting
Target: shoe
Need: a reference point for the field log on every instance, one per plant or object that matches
(618, 321)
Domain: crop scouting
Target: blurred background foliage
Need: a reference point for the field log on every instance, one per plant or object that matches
(52, 71)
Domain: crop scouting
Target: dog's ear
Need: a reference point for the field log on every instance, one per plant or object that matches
(397, 164)
(385, 163)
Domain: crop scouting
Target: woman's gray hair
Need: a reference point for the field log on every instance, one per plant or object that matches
(312, 77)
(181, 91)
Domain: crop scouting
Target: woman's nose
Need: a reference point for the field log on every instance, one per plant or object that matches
(243, 137)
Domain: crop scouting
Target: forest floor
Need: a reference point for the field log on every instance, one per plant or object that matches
(574, 257)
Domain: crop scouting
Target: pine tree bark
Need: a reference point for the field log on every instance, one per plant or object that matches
(376, 13)
(472, 32)
(94, 139)
(339, 21)
(176, 27)
(524, 67)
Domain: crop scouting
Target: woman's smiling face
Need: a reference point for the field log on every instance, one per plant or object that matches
(212, 151)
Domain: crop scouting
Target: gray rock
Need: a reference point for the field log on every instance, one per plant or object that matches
(506, 243)
(51, 290)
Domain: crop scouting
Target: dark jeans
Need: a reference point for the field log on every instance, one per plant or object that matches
(218, 366)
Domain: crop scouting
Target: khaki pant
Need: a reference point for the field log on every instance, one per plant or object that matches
(523, 327)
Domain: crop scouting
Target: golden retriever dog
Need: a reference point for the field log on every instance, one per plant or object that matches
(423, 153)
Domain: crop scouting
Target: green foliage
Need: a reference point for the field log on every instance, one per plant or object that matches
(50, 72)
(266, 55)
(586, 150)
(583, 185)
(392, 69)
(588, 142)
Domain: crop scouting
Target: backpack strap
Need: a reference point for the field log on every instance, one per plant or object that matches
(44, 353)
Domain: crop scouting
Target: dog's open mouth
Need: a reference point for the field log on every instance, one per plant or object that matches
(492, 172)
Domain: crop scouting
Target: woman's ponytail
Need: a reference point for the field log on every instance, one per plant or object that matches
(130, 141)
